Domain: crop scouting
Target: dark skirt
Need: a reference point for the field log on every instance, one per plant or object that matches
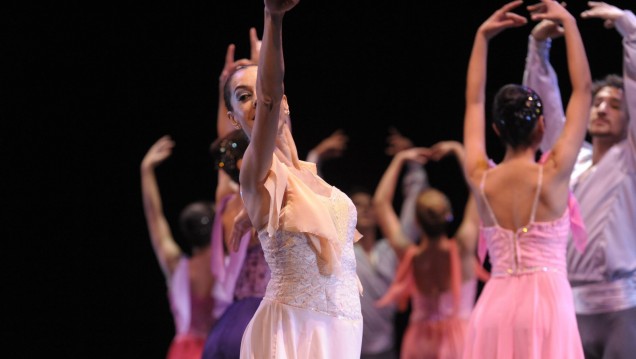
(224, 341)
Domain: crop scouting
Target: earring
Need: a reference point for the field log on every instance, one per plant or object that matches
(234, 122)
(286, 111)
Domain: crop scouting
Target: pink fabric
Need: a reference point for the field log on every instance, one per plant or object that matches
(191, 315)
(179, 296)
(403, 285)
(531, 314)
(577, 226)
(304, 212)
(579, 234)
(526, 309)
(186, 347)
(437, 326)
(225, 269)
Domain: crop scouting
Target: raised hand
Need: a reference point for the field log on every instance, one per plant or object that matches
(549, 10)
(604, 11)
(231, 63)
(444, 148)
(280, 6)
(416, 154)
(223, 125)
(158, 152)
(330, 147)
(397, 142)
(502, 19)
(547, 29)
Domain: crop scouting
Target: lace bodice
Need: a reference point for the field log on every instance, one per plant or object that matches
(301, 278)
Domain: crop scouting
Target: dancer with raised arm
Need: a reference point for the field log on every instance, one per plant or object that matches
(306, 227)
(603, 278)
(526, 309)
(188, 278)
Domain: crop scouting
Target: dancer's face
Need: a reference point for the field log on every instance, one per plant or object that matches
(243, 99)
(364, 207)
(608, 115)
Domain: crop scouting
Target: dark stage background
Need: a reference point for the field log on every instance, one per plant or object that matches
(87, 91)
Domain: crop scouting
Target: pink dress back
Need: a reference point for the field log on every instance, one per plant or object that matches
(526, 309)
(437, 325)
(192, 316)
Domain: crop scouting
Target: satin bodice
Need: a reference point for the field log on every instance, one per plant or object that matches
(539, 246)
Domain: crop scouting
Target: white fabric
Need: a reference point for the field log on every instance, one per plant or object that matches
(311, 307)
(305, 314)
(290, 332)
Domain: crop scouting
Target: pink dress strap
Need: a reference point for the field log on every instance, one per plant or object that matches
(579, 233)
(400, 290)
(482, 246)
(455, 276)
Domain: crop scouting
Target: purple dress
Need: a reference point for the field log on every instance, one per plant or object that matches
(242, 278)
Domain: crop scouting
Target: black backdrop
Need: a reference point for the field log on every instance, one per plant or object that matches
(87, 91)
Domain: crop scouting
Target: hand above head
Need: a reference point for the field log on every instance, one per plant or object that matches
(231, 63)
(397, 142)
(415, 154)
(330, 147)
(444, 148)
(280, 6)
(502, 19)
(603, 11)
(223, 125)
(547, 29)
(158, 152)
(549, 10)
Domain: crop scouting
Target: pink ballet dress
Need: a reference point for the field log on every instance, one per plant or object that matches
(526, 309)
(437, 326)
(192, 316)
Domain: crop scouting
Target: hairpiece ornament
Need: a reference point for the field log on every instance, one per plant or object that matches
(516, 111)
(227, 151)
(226, 154)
